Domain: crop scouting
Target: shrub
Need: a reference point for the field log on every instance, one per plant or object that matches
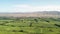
(57, 25)
(30, 24)
(51, 30)
(14, 31)
(21, 31)
(36, 20)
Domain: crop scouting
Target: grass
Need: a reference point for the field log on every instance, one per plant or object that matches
(29, 25)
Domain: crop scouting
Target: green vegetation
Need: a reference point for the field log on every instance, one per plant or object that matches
(29, 25)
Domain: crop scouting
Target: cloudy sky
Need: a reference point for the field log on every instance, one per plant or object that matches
(29, 5)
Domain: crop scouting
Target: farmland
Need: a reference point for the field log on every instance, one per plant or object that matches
(29, 25)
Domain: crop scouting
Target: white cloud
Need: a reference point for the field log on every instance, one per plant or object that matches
(28, 8)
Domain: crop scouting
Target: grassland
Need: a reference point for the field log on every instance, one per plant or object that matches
(29, 25)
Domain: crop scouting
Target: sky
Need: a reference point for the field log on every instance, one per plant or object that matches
(29, 5)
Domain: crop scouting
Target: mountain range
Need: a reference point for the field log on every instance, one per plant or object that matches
(32, 14)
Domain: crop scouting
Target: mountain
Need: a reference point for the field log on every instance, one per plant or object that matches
(32, 14)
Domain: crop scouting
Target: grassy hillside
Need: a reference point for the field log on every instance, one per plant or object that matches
(29, 25)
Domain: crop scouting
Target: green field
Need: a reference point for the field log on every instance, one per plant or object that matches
(29, 25)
